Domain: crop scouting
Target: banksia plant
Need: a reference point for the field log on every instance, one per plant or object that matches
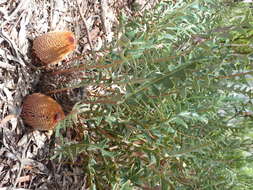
(41, 112)
(181, 122)
(52, 47)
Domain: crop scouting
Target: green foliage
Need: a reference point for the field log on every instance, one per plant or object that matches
(184, 119)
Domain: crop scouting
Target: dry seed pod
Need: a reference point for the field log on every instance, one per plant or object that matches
(54, 46)
(68, 97)
(41, 112)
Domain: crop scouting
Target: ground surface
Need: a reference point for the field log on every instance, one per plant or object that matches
(25, 156)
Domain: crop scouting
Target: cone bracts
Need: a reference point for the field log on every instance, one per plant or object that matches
(52, 47)
(41, 112)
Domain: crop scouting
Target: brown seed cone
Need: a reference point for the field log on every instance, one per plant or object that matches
(54, 46)
(66, 96)
(41, 112)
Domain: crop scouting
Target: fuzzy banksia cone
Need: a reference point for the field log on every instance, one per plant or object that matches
(41, 112)
(54, 46)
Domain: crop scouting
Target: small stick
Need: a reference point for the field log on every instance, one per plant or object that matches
(87, 67)
(103, 4)
(85, 26)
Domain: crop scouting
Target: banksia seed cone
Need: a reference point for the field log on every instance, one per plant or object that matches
(54, 46)
(68, 97)
(41, 112)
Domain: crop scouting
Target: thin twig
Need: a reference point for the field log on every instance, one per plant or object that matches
(142, 8)
(103, 4)
(85, 26)
(87, 67)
